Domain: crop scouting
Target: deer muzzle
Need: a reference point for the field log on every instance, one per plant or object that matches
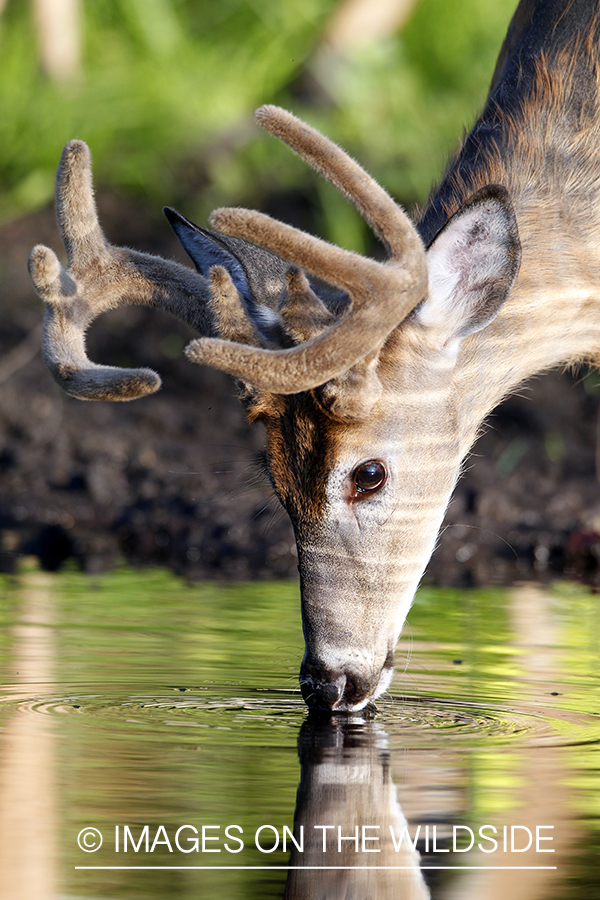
(350, 633)
(344, 688)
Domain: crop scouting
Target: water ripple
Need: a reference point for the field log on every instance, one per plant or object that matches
(410, 722)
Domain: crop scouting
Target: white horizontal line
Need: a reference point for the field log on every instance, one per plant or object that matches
(326, 868)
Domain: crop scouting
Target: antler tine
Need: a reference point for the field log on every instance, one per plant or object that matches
(303, 312)
(388, 220)
(76, 207)
(339, 267)
(226, 305)
(382, 296)
(101, 277)
(290, 371)
(379, 305)
(68, 313)
(63, 340)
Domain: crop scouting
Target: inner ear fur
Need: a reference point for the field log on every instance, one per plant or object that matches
(472, 264)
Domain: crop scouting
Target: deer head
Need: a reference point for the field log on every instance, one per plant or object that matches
(348, 362)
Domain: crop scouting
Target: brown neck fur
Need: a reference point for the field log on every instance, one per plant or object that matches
(544, 147)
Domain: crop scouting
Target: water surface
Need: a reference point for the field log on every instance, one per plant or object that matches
(167, 717)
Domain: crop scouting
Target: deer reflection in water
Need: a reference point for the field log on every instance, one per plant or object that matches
(346, 783)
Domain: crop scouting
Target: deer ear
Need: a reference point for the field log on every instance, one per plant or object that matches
(256, 272)
(472, 265)
(206, 250)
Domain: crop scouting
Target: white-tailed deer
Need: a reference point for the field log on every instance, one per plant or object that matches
(373, 378)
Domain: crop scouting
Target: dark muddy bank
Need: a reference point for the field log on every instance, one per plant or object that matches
(170, 480)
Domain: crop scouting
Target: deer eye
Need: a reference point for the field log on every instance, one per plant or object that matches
(368, 477)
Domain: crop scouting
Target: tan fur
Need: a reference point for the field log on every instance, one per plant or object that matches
(553, 316)
(536, 144)
(401, 376)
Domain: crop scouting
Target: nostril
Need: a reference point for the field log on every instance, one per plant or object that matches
(334, 691)
(329, 692)
(349, 689)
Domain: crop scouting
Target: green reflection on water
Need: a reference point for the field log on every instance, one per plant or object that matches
(152, 702)
(113, 626)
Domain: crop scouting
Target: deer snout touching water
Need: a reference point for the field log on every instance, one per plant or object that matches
(373, 378)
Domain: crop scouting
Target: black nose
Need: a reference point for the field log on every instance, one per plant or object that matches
(333, 691)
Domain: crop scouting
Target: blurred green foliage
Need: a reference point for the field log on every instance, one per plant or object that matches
(167, 89)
